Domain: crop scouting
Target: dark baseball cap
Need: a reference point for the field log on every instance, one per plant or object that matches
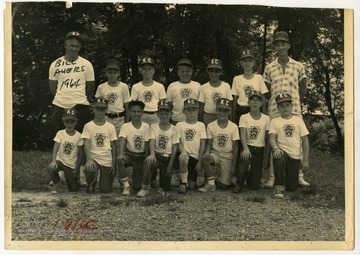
(247, 54)
(191, 103)
(255, 93)
(147, 61)
(184, 61)
(100, 101)
(164, 104)
(136, 102)
(70, 114)
(112, 64)
(74, 34)
(283, 97)
(223, 103)
(214, 63)
(281, 36)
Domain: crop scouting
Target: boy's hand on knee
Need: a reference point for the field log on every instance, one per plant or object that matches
(198, 167)
(246, 155)
(90, 165)
(52, 166)
(278, 153)
(121, 160)
(305, 166)
(150, 160)
(206, 155)
(112, 171)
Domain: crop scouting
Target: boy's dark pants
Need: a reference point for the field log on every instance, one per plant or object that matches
(106, 180)
(161, 162)
(253, 178)
(71, 179)
(286, 171)
(136, 160)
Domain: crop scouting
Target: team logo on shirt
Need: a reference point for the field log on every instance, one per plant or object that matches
(100, 139)
(254, 132)
(248, 89)
(138, 139)
(215, 96)
(162, 141)
(222, 140)
(112, 97)
(148, 96)
(289, 130)
(185, 93)
(68, 148)
(189, 134)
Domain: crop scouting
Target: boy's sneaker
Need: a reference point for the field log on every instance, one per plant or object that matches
(126, 191)
(279, 194)
(207, 187)
(55, 189)
(51, 183)
(182, 188)
(269, 184)
(303, 183)
(143, 193)
(237, 189)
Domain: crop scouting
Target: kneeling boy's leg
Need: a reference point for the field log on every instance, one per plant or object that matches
(280, 165)
(207, 164)
(138, 171)
(225, 172)
(106, 180)
(292, 174)
(54, 174)
(192, 172)
(165, 179)
(257, 157)
(71, 178)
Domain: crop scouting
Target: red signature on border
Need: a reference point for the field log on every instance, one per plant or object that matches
(75, 225)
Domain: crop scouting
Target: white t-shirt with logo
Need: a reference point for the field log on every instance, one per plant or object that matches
(71, 78)
(242, 87)
(222, 138)
(100, 141)
(68, 150)
(209, 95)
(255, 129)
(289, 133)
(150, 95)
(164, 140)
(135, 138)
(177, 93)
(190, 136)
(116, 96)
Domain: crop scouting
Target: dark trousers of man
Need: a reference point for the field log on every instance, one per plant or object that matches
(286, 171)
(253, 178)
(84, 115)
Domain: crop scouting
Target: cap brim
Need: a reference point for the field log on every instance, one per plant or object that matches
(112, 67)
(99, 104)
(69, 118)
(213, 66)
(223, 107)
(285, 100)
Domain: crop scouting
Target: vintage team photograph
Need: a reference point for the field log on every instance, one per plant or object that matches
(177, 123)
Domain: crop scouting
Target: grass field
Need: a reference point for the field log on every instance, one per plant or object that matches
(326, 175)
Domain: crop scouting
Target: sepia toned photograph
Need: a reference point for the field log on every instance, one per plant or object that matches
(190, 124)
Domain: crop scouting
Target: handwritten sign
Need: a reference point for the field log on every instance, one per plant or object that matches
(74, 225)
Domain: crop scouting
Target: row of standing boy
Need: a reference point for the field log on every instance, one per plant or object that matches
(212, 105)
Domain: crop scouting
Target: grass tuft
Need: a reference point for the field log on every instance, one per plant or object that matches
(256, 199)
(62, 203)
(159, 199)
(24, 200)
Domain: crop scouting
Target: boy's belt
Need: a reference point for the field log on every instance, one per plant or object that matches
(147, 112)
(165, 155)
(115, 115)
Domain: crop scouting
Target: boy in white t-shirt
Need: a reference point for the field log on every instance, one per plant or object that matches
(211, 91)
(244, 84)
(148, 91)
(67, 153)
(134, 142)
(163, 144)
(192, 146)
(287, 136)
(180, 90)
(222, 148)
(254, 128)
(116, 92)
(100, 148)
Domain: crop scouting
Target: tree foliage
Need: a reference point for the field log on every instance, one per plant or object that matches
(167, 32)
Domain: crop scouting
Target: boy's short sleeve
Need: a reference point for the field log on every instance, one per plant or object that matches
(267, 120)
(147, 133)
(263, 88)
(203, 133)
(99, 91)
(152, 133)
(133, 94)
(86, 132)
(235, 133)
(176, 136)
(242, 122)
(162, 92)
(228, 92)
(303, 131)
(169, 93)
(208, 132)
(113, 136)
(234, 90)
(126, 93)
(272, 129)
(57, 137)
(123, 132)
(202, 95)
(90, 76)
(80, 142)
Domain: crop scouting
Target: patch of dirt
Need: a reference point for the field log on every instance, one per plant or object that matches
(195, 216)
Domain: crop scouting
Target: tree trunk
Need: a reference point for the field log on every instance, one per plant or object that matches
(263, 64)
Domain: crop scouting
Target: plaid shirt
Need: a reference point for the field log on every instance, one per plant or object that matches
(284, 83)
